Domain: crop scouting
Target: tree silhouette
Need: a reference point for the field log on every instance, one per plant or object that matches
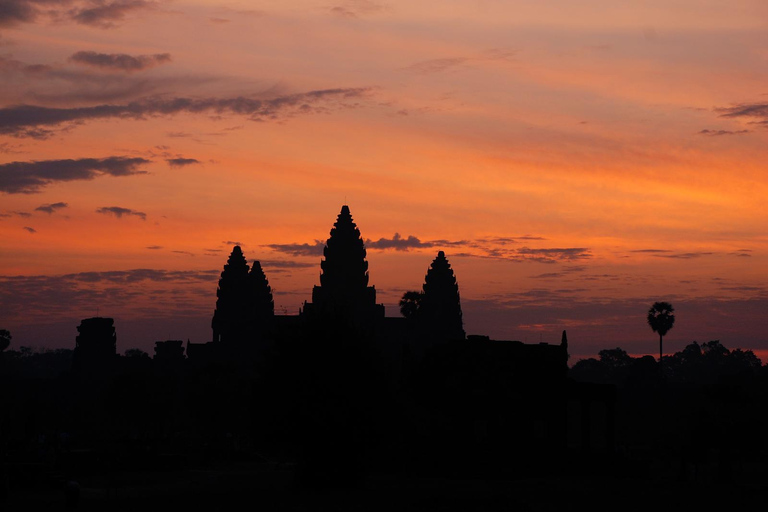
(410, 304)
(5, 339)
(661, 318)
(136, 352)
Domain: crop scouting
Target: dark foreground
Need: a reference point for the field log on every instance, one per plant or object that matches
(269, 487)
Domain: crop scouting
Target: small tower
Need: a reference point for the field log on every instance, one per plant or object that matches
(95, 346)
(440, 310)
(263, 312)
(234, 303)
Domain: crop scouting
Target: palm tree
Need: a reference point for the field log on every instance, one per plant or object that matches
(661, 318)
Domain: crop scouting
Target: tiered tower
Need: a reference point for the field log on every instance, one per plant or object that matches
(440, 308)
(344, 293)
(263, 309)
(231, 318)
(244, 307)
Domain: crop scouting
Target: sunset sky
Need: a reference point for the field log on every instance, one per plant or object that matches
(576, 161)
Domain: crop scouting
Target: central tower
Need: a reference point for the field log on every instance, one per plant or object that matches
(344, 293)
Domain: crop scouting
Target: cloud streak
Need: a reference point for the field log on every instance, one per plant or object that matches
(716, 133)
(51, 208)
(182, 162)
(30, 120)
(551, 255)
(120, 61)
(103, 14)
(119, 212)
(315, 249)
(397, 243)
(13, 12)
(32, 177)
(758, 112)
(96, 13)
(442, 64)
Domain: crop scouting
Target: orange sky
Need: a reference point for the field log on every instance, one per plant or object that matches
(577, 161)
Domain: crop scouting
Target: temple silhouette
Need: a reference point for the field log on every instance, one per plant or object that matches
(244, 321)
(492, 400)
(334, 393)
(341, 396)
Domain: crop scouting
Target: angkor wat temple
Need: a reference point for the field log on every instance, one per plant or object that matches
(338, 389)
(483, 394)
(244, 321)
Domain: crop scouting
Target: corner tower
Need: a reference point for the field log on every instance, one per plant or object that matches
(440, 306)
(233, 303)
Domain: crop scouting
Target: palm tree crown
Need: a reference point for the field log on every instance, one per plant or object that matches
(661, 318)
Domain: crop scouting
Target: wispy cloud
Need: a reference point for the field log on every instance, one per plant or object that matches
(286, 264)
(444, 63)
(51, 208)
(105, 14)
(357, 8)
(437, 65)
(758, 112)
(398, 243)
(716, 133)
(493, 248)
(31, 120)
(97, 13)
(551, 255)
(119, 212)
(314, 249)
(19, 11)
(31, 177)
(182, 162)
(684, 255)
(55, 84)
(137, 294)
(31, 230)
(566, 271)
(120, 61)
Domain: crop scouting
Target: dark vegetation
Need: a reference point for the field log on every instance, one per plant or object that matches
(699, 416)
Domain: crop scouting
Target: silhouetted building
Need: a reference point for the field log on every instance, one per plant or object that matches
(440, 309)
(245, 309)
(170, 351)
(344, 296)
(263, 305)
(232, 318)
(95, 346)
(498, 402)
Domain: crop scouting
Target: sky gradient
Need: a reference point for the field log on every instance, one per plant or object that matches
(576, 161)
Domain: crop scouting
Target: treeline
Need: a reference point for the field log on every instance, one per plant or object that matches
(697, 364)
(699, 416)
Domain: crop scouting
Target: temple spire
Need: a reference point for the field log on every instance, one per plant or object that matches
(263, 302)
(441, 306)
(345, 269)
(233, 303)
(344, 290)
